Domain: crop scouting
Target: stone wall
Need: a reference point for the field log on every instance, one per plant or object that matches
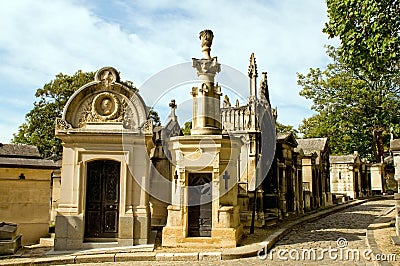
(26, 202)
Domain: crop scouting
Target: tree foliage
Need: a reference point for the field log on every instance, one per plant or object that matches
(353, 111)
(155, 117)
(369, 34)
(281, 128)
(187, 127)
(357, 96)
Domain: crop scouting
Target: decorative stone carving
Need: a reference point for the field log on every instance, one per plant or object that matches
(264, 92)
(194, 92)
(104, 107)
(107, 76)
(147, 126)
(226, 103)
(203, 88)
(206, 66)
(252, 72)
(217, 90)
(206, 37)
(61, 124)
(128, 121)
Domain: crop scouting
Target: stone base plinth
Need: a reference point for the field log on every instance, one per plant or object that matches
(220, 238)
(172, 236)
(9, 247)
(132, 230)
(329, 201)
(245, 219)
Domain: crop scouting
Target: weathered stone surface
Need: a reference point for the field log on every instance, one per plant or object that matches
(8, 247)
(135, 256)
(190, 256)
(8, 231)
(395, 145)
(165, 256)
(99, 258)
(210, 256)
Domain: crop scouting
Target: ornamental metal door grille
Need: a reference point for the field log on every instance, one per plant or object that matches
(102, 199)
(200, 205)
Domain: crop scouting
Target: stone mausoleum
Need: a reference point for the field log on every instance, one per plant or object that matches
(121, 176)
(104, 130)
(204, 209)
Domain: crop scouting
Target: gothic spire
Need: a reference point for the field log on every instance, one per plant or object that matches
(264, 92)
(253, 76)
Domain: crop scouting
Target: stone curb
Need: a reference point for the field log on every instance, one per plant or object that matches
(371, 242)
(233, 253)
(259, 248)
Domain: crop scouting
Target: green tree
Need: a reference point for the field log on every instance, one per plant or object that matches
(38, 129)
(351, 111)
(369, 34)
(187, 128)
(281, 128)
(155, 117)
(357, 96)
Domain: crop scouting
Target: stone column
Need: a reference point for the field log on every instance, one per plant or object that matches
(206, 97)
(395, 148)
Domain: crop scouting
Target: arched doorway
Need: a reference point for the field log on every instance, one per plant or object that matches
(102, 199)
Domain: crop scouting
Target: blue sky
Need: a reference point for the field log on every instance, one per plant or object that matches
(41, 38)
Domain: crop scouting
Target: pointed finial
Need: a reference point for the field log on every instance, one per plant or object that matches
(252, 67)
(264, 91)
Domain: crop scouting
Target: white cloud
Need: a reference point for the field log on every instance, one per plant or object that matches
(42, 38)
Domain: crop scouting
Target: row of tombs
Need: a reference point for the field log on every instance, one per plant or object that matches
(122, 176)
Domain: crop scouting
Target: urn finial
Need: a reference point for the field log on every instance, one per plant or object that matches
(206, 37)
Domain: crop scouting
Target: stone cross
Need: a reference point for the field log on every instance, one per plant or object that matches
(226, 177)
(172, 104)
(173, 107)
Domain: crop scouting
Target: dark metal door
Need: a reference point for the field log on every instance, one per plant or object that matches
(289, 190)
(200, 205)
(102, 198)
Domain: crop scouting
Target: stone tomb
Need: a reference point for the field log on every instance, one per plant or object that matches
(204, 210)
(104, 131)
(10, 239)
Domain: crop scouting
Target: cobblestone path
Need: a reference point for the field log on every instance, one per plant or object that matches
(338, 239)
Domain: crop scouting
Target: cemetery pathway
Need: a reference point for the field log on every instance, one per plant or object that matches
(335, 239)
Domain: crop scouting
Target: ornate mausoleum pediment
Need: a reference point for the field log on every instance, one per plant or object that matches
(103, 103)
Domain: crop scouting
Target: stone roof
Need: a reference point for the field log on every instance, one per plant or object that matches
(28, 163)
(312, 144)
(19, 151)
(287, 137)
(24, 156)
(282, 136)
(342, 158)
(157, 128)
